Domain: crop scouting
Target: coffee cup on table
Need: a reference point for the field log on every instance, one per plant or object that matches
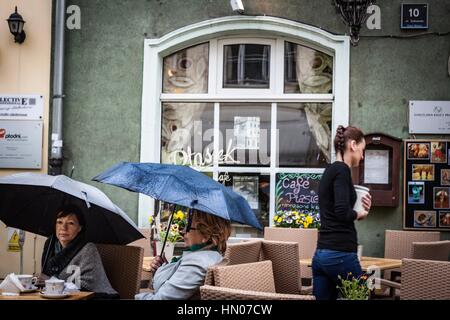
(27, 280)
(360, 193)
(54, 286)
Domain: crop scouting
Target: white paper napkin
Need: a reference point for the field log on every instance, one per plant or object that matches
(11, 284)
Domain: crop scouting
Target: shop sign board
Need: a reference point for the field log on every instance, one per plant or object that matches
(429, 117)
(21, 107)
(21, 144)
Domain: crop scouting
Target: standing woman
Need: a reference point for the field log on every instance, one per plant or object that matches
(337, 244)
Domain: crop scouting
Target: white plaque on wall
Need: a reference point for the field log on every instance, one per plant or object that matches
(21, 144)
(431, 117)
(21, 107)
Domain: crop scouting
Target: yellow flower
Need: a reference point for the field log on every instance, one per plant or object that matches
(298, 221)
(280, 220)
(179, 215)
(150, 219)
(275, 218)
(305, 224)
(309, 219)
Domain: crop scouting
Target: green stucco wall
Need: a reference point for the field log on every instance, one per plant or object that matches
(103, 80)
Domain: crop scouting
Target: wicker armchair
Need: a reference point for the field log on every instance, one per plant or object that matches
(398, 245)
(306, 239)
(123, 267)
(284, 256)
(144, 244)
(248, 281)
(435, 250)
(423, 280)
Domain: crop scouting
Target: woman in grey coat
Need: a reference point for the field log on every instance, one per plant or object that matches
(205, 237)
(68, 256)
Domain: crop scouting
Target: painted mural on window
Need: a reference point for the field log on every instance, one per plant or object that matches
(186, 71)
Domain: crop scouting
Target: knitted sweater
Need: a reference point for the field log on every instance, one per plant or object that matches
(92, 276)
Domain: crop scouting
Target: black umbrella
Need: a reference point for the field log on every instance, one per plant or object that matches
(30, 202)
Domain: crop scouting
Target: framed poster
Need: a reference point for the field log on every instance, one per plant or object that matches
(297, 191)
(426, 197)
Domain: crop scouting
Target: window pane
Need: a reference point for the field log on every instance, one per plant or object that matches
(307, 70)
(187, 133)
(245, 134)
(246, 66)
(304, 134)
(255, 188)
(186, 71)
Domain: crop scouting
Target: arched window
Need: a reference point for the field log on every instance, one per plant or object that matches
(247, 100)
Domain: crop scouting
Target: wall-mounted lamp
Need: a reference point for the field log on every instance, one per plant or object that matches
(237, 6)
(354, 14)
(15, 23)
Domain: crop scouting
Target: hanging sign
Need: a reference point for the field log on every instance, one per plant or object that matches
(21, 107)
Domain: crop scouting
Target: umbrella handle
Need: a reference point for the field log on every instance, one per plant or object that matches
(168, 230)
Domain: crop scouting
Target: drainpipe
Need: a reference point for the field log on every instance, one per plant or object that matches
(56, 157)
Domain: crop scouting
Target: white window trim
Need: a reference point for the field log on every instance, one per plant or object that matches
(258, 26)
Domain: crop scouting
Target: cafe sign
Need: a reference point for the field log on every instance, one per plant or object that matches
(429, 117)
(21, 107)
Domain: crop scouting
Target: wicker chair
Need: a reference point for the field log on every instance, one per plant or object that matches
(144, 244)
(248, 281)
(423, 280)
(284, 257)
(435, 250)
(307, 243)
(123, 266)
(398, 244)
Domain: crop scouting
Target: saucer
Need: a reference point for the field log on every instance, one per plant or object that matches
(32, 289)
(54, 295)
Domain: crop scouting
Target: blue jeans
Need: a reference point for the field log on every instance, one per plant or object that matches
(326, 266)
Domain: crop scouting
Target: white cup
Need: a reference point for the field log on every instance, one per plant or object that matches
(27, 280)
(54, 286)
(360, 251)
(360, 193)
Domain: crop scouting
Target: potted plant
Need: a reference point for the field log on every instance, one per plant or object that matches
(354, 288)
(296, 219)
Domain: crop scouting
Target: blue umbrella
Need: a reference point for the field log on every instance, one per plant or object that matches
(181, 185)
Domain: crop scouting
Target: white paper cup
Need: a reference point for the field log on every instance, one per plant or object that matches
(54, 286)
(360, 251)
(360, 193)
(27, 280)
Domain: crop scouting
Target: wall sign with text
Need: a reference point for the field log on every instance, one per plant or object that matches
(21, 107)
(21, 144)
(297, 191)
(414, 16)
(429, 117)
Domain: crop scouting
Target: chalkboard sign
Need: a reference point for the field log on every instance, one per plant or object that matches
(414, 16)
(297, 191)
(426, 185)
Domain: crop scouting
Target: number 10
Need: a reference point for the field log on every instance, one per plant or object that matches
(414, 12)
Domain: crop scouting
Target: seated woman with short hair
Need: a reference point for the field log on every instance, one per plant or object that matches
(68, 256)
(205, 237)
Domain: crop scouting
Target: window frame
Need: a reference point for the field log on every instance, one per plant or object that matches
(218, 32)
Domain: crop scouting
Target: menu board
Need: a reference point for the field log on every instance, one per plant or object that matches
(297, 191)
(426, 185)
